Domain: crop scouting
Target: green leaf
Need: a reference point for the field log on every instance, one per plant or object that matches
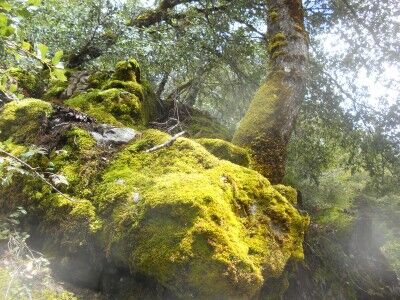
(43, 49)
(3, 20)
(26, 46)
(34, 2)
(57, 57)
(13, 88)
(6, 6)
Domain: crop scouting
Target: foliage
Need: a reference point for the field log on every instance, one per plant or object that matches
(16, 49)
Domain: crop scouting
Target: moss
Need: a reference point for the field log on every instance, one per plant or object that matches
(225, 150)
(200, 125)
(122, 100)
(28, 82)
(113, 106)
(256, 129)
(273, 15)
(55, 90)
(200, 226)
(98, 79)
(130, 86)
(288, 192)
(277, 42)
(128, 70)
(21, 119)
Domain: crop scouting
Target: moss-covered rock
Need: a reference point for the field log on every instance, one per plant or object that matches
(30, 84)
(20, 120)
(55, 90)
(200, 226)
(226, 150)
(121, 98)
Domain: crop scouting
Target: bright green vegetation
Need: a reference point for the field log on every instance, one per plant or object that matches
(256, 130)
(21, 119)
(28, 83)
(201, 125)
(198, 225)
(225, 150)
(122, 100)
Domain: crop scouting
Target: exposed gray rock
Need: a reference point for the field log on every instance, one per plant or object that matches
(109, 135)
(77, 83)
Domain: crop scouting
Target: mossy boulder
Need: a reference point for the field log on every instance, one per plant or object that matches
(197, 225)
(21, 119)
(119, 98)
(29, 83)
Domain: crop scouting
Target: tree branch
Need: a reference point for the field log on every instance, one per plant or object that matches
(167, 143)
(36, 173)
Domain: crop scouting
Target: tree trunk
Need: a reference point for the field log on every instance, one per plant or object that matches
(270, 119)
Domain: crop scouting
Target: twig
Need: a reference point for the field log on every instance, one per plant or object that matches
(36, 173)
(167, 143)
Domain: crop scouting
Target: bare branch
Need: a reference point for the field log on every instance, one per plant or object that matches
(36, 173)
(167, 143)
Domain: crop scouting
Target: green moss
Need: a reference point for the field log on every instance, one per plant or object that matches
(98, 79)
(128, 70)
(55, 90)
(288, 192)
(113, 106)
(225, 150)
(273, 15)
(200, 125)
(130, 86)
(256, 129)
(276, 43)
(195, 223)
(122, 100)
(200, 226)
(28, 82)
(21, 119)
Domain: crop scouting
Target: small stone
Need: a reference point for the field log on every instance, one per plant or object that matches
(109, 135)
(59, 180)
(120, 181)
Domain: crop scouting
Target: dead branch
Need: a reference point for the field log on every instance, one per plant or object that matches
(36, 174)
(167, 143)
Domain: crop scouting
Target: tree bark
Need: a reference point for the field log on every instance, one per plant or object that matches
(267, 125)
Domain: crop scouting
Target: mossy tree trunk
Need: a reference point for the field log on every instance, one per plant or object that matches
(270, 119)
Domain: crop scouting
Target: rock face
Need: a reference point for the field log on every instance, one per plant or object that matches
(195, 224)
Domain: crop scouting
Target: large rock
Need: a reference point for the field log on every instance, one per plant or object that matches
(197, 225)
